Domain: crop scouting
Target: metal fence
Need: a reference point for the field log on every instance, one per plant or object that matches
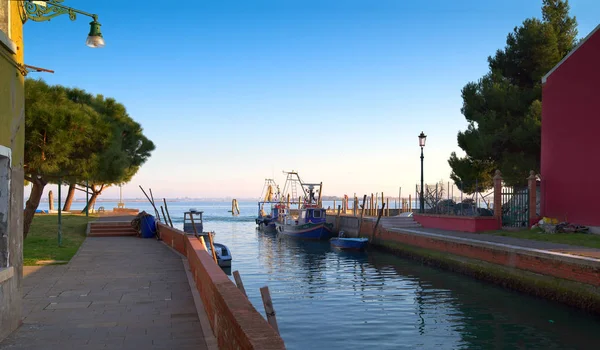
(515, 207)
(447, 199)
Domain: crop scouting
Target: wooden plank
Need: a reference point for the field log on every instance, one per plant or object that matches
(269, 310)
(239, 283)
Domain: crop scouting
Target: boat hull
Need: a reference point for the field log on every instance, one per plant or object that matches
(306, 231)
(349, 243)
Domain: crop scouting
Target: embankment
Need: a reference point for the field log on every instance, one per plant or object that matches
(566, 278)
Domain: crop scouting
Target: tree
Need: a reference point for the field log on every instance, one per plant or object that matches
(503, 108)
(126, 152)
(72, 136)
(55, 129)
(86, 154)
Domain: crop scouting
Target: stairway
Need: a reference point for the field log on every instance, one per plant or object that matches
(111, 229)
(399, 222)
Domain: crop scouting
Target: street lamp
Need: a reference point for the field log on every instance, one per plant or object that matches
(422, 138)
(40, 11)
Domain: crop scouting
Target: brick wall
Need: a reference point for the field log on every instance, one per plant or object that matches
(549, 266)
(458, 223)
(235, 322)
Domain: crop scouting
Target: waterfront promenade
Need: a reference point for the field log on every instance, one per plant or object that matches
(116, 293)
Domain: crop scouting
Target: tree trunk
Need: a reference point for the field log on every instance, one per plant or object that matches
(95, 194)
(69, 200)
(32, 204)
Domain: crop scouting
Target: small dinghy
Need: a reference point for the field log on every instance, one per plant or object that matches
(223, 253)
(346, 243)
(193, 225)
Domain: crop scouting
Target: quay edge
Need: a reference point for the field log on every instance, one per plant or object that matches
(563, 278)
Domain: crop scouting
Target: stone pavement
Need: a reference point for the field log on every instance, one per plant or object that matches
(116, 293)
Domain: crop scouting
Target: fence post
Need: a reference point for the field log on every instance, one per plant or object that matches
(532, 180)
(498, 196)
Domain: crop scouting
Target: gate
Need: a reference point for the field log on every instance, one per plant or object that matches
(515, 207)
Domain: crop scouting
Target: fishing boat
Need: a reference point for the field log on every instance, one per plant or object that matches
(270, 199)
(346, 243)
(193, 225)
(309, 220)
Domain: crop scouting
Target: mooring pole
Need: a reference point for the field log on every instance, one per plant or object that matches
(87, 199)
(59, 215)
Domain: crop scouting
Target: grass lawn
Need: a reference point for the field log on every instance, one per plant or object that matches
(42, 241)
(578, 239)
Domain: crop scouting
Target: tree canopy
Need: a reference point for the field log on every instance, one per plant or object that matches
(503, 109)
(73, 136)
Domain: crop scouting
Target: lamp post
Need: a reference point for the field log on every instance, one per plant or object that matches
(40, 11)
(422, 138)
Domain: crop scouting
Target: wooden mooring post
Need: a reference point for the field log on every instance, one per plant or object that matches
(362, 213)
(269, 310)
(238, 282)
(167, 210)
(337, 219)
(377, 222)
(212, 247)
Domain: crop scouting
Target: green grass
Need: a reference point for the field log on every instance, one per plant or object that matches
(42, 241)
(578, 239)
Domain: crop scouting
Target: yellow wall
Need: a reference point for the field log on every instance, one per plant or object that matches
(12, 111)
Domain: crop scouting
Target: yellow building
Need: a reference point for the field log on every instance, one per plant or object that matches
(12, 138)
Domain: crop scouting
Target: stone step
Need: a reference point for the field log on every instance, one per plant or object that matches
(108, 228)
(112, 234)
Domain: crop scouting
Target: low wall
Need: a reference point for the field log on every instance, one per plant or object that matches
(472, 224)
(234, 321)
(560, 277)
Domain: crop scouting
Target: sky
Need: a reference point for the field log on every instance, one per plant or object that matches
(236, 91)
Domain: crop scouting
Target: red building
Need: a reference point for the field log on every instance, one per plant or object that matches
(570, 159)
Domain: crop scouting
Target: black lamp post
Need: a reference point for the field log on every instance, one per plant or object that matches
(422, 138)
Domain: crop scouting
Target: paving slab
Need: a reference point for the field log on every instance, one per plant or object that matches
(116, 293)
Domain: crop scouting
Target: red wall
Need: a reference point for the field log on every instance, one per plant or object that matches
(548, 266)
(458, 223)
(235, 322)
(570, 159)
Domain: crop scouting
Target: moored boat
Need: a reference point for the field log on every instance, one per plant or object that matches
(309, 220)
(348, 243)
(193, 225)
(266, 220)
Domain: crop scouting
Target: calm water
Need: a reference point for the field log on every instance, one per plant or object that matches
(326, 300)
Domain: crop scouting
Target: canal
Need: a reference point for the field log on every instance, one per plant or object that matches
(325, 299)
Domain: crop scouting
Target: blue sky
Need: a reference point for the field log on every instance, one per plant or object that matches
(235, 91)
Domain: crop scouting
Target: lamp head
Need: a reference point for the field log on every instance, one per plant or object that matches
(422, 138)
(95, 39)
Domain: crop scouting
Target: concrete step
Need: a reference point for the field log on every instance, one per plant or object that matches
(112, 234)
(105, 228)
(108, 231)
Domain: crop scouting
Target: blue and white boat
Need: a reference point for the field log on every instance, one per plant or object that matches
(309, 220)
(306, 223)
(347, 243)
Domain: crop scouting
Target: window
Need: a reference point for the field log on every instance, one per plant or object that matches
(317, 214)
(4, 204)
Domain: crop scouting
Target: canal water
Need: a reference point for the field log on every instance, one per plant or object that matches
(325, 299)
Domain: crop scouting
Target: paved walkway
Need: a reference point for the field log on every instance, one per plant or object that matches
(116, 293)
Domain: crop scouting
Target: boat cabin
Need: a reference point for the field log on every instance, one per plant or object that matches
(306, 216)
(193, 218)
